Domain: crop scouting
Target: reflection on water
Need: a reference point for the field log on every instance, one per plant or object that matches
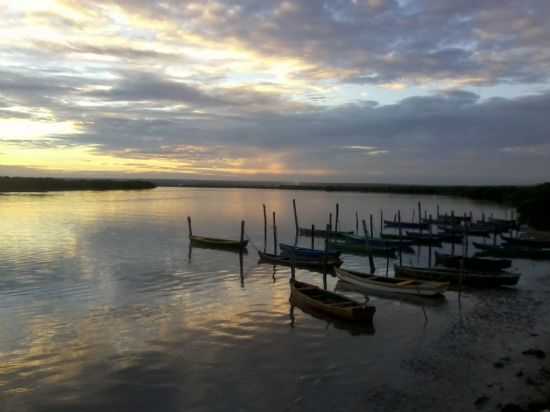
(104, 305)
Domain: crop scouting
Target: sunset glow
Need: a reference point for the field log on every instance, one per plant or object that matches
(274, 89)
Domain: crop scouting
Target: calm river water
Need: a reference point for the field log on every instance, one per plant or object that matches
(103, 307)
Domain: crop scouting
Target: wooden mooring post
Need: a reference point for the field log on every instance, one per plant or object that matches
(400, 238)
(189, 227)
(265, 228)
(420, 215)
(337, 218)
(369, 250)
(371, 227)
(274, 235)
(295, 217)
(242, 234)
(313, 236)
(356, 222)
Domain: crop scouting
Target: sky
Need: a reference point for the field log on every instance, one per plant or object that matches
(387, 91)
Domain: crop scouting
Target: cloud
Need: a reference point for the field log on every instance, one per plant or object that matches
(271, 87)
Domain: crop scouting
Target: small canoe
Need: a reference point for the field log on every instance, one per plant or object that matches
(469, 278)
(392, 285)
(529, 242)
(306, 295)
(306, 252)
(361, 248)
(304, 231)
(305, 262)
(218, 243)
(472, 263)
(407, 225)
(511, 251)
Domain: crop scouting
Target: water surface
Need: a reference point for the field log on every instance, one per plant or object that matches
(103, 306)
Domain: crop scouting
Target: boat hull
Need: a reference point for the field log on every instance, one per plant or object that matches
(316, 263)
(469, 263)
(392, 285)
(337, 306)
(218, 243)
(474, 279)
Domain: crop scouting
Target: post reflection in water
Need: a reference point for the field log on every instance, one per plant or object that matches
(104, 304)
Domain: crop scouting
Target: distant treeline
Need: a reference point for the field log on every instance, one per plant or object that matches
(46, 184)
(531, 202)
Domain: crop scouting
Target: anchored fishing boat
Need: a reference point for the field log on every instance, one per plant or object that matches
(472, 263)
(525, 241)
(417, 240)
(300, 261)
(322, 233)
(306, 252)
(512, 251)
(391, 285)
(218, 243)
(406, 225)
(361, 248)
(306, 295)
(455, 276)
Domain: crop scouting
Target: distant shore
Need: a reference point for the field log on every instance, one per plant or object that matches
(530, 201)
(47, 184)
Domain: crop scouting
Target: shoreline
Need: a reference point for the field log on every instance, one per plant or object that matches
(48, 184)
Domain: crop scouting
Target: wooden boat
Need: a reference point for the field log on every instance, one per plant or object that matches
(529, 242)
(305, 295)
(303, 262)
(218, 243)
(378, 241)
(304, 231)
(426, 238)
(306, 252)
(470, 231)
(508, 224)
(472, 263)
(436, 300)
(392, 285)
(361, 248)
(469, 278)
(448, 220)
(416, 240)
(511, 251)
(407, 225)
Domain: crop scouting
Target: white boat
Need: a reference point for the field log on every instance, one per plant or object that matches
(392, 285)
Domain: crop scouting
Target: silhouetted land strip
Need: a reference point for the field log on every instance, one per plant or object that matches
(47, 184)
(530, 201)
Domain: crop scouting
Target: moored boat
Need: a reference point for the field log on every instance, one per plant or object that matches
(306, 252)
(512, 251)
(300, 261)
(456, 276)
(525, 241)
(472, 263)
(330, 303)
(406, 225)
(218, 243)
(304, 231)
(392, 284)
(378, 241)
(361, 248)
(435, 242)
